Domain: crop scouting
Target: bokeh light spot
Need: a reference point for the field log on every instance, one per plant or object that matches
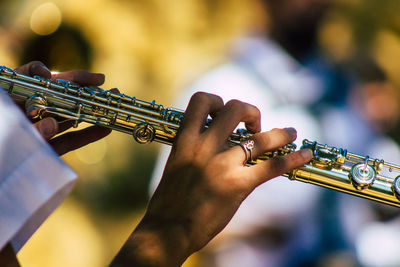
(45, 19)
(93, 153)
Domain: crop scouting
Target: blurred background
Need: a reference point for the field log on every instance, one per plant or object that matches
(148, 49)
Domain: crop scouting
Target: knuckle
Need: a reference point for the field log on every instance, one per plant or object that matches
(243, 108)
(218, 100)
(251, 112)
(275, 130)
(204, 98)
(236, 108)
(235, 104)
(247, 109)
(200, 97)
(255, 111)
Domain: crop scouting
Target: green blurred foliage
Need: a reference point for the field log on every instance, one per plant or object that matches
(121, 190)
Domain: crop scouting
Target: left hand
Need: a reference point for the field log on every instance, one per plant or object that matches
(49, 127)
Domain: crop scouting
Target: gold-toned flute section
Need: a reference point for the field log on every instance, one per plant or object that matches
(350, 173)
(337, 169)
(380, 190)
(330, 167)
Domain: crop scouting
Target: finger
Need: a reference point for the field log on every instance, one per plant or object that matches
(81, 77)
(200, 106)
(276, 166)
(115, 90)
(74, 140)
(229, 117)
(263, 142)
(48, 127)
(35, 68)
(65, 125)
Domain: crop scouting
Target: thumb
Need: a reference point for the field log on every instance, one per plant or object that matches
(48, 127)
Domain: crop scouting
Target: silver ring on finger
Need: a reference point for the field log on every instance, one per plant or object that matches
(247, 146)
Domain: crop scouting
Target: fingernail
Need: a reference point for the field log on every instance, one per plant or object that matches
(115, 90)
(307, 154)
(45, 67)
(292, 131)
(101, 78)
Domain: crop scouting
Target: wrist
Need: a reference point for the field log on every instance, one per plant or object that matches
(155, 244)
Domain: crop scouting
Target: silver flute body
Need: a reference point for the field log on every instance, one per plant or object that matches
(330, 167)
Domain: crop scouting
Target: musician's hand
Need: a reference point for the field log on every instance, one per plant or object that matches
(204, 182)
(49, 127)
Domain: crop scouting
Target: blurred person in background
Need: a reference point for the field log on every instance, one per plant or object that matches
(204, 182)
(283, 72)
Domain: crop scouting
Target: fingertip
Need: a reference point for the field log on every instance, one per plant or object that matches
(100, 78)
(91, 78)
(106, 131)
(47, 127)
(307, 154)
(34, 68)
(254, 127)
(96, 132)
(39, 68)
(291, 132)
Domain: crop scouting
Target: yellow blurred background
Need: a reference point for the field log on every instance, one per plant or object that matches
(147, 48)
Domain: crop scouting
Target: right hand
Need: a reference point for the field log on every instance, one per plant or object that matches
(205, 181)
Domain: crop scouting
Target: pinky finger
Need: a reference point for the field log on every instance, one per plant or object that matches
(280, 165)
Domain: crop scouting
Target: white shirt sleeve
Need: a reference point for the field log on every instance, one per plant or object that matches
(33, 179)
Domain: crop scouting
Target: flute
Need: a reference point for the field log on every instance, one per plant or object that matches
(330, 167)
